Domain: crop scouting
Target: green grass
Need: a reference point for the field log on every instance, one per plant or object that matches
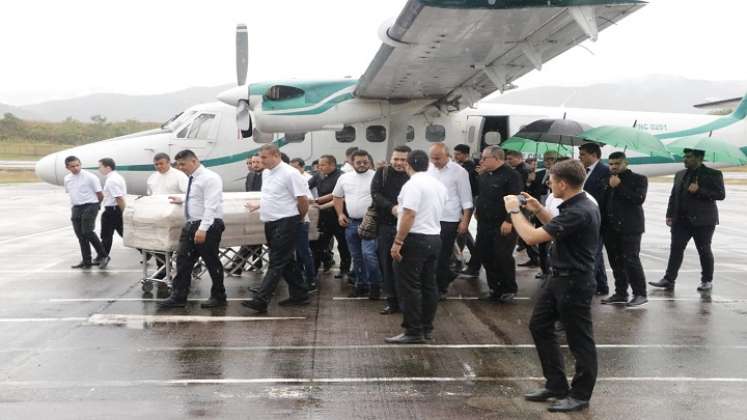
(15, 177)
(16, 150)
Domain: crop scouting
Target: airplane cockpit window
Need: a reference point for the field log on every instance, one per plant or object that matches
(177, 120)
(199, 129)
(281, 93)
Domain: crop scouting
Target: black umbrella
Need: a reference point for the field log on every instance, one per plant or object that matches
(554, 131)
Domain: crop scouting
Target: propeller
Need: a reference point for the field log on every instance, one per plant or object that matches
(239, 96)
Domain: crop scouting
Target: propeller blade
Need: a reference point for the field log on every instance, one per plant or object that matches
(242, 53)
(244, 118)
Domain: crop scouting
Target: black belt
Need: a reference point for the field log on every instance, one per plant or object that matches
(197, 222)
(569, 273)
(86, 204)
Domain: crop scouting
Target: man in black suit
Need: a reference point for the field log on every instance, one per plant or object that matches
(253, 183)
(692, 213)
(623, 224)
(597, 175)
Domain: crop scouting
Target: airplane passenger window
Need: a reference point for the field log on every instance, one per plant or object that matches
(435, 133)
(471, 135)
(410, 133)
(346, 135)
(295, 137)
(376, 133)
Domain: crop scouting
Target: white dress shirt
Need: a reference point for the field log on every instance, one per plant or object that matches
(355, 188)
(82, 188)
(459, 192)
(205, 200)
(426, 196)
(281, 187)
(114, 187)
(172, 181)
(552, 203)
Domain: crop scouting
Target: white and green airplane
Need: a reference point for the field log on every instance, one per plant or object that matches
(437, 60)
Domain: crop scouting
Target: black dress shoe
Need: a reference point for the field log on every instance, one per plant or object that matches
(341, 274)
(405, 339)
(492, 297)
(615, 299)
(705, 286)
(214, 303)
(173, 302)
(602, 292)
(637, 301)
(295, 301)
(542, 395)
(103, 261)
(529, 263)
(389, 309)
(468, 272)
(507, 298)
(82, 264)
(663, 283)
(255, 305)
(568, 404)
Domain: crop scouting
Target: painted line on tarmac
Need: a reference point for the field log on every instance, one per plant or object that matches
(350, 380)
(377, 347)
(92, 270)
(110, 300)
(125, 319)
(448, 298)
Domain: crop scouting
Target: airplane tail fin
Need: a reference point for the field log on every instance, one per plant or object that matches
(738, 115)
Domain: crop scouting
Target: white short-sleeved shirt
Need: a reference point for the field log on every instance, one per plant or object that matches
(459, 192)
(172, 181)
(114, 187)
(82, 187)
(281, 187)
(426, 196)
(355, 188)
(347, 167)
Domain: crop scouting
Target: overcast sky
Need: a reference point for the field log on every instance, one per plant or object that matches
(51, 49)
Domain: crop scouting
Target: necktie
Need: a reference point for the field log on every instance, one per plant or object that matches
(186, 200)
(588, 170)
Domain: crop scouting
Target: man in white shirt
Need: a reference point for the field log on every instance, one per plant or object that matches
(348, 166)
(353, 193)
(166, 180)
(283, 206)
(457, 212)
(416, 248)
(115, 192)
(85, 195)
(201, 235)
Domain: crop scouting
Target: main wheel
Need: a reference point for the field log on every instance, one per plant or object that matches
(147, 286)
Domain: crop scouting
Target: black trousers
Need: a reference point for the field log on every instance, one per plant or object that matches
(416, 282)
(189, 252)
(384, 240)
(623, 252)
(282, 236)
(111, 221)
(682, 231)
(497, 256)
(327, 231)
(444, 275)
(566, 299)
(600, 272)
(83, 218)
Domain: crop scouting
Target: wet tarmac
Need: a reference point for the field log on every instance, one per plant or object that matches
(89, 345)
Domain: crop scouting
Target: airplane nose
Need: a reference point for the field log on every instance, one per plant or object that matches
(46, 168)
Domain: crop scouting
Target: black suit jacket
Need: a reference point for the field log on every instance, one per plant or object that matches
(623, 205)
(597, 182)
(699, 208)
(253, 181)
(537, 188)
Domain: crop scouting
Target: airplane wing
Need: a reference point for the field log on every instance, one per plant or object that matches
(459, 51)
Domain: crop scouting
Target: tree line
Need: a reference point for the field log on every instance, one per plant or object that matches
(68, 132)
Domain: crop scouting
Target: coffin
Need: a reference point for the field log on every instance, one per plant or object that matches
(152, 223)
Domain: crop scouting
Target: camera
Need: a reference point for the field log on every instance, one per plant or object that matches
(522, 200)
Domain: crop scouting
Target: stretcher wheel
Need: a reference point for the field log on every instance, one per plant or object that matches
(147, 286)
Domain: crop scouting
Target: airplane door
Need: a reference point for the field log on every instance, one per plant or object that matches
(499, 124)
(200, 135)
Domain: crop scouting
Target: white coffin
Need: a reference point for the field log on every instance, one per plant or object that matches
(152, 223)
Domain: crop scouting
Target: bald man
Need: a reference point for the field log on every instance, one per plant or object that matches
(457, 211)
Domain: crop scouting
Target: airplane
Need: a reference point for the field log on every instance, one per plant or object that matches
(437, 60)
